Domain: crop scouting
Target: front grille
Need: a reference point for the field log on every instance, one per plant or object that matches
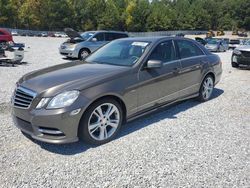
(245, 53)
(23, 97)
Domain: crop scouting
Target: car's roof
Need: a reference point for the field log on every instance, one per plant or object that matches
(153, 39)
(100, 31)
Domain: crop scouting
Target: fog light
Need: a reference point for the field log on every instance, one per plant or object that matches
(75, 112)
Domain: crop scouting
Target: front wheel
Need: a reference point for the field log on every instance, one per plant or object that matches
(206, 89)
(83, 54)
(101, 122)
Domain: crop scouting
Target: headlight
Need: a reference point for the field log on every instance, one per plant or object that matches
(237, 52)
(63, 99)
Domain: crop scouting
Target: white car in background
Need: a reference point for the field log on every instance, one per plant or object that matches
(14, 33)
(234, 43)
(61, 34)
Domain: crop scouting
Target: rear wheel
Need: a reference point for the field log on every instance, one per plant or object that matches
(206, 88)
(101, 122)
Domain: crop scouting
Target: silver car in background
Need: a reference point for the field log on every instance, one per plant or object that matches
(216, 45)
(81, 45)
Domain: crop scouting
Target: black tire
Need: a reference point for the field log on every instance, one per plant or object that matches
(235, 65)
(201, 97)
(84, 50)
(83, 130)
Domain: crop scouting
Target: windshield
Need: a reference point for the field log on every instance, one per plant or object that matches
(119, 52)
(87, 35)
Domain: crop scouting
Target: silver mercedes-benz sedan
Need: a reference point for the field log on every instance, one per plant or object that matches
(124, 79)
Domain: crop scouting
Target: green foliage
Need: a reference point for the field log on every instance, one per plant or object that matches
(130, 15)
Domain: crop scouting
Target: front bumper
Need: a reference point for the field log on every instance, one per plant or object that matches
(240, 59)
(72, 53)
(51, 126)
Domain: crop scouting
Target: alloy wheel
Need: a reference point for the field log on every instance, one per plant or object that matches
(84, 54)
(207, 88)
(103, 121)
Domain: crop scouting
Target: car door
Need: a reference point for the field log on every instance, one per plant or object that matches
(159, 85)
(192, 59)
(96, 41)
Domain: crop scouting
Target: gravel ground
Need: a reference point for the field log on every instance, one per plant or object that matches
(187, 145)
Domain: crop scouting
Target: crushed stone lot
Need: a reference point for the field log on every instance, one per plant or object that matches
(190, 144)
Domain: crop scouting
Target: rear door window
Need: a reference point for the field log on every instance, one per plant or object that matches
(188, 49)
(109, 36)
(120, 35)
(99, 36)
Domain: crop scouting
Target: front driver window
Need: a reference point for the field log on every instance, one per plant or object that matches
(164, 52)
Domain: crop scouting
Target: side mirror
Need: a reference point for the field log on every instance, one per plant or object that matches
(152, 64)
(94, 39)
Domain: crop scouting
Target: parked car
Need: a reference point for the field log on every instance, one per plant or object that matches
(241, 55)
(51, 34)
(234, 43)
(39, 34)
(81, 45)
(215, 45)
(14, 33)
(64, 35)
(122, 80)
(44, 34)
(30, 34)
(5, 36)
(57, 34)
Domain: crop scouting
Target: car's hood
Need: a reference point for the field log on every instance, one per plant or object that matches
(70, 76)
(244, 48)
(72, 33)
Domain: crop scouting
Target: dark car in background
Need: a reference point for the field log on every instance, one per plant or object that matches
(81, 45)
(122, 80)
(241, 55)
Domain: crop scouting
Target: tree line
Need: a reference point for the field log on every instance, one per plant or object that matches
(125, 15)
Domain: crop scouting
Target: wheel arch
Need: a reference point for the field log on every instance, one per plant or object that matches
(84, 48)
(112, 96)
(206, 74)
